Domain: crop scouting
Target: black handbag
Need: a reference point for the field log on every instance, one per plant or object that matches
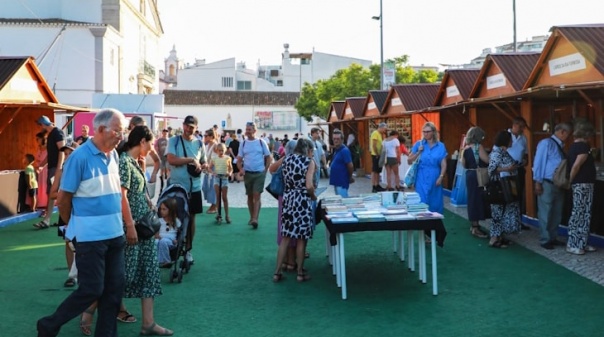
(191, 169)
(501, 190)
(148, 225)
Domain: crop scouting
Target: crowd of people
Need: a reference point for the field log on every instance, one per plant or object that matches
(100, 185)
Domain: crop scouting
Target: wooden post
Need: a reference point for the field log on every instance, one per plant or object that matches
(526, 113)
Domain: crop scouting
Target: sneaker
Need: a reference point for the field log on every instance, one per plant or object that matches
(189, 257)
(576, 251)
(589, 249)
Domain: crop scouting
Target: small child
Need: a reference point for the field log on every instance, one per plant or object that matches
(222, 168)
(167, 235)
(30, 176)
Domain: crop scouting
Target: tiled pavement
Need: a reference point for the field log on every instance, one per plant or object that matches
(590, 265)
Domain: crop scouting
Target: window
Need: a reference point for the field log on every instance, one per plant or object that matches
(279, 83)
(274, 72)
(171, 71)
(244, 85)
(227, 82)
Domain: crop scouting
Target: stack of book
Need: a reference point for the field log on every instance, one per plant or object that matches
(412, 198)
(428, 215)
(417, 208)
(369, 216)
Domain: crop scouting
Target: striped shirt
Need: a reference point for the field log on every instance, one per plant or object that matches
(94, 180)
(221, 164)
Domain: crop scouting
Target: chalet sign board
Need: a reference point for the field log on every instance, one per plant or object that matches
(348, 112)
(495, 81)
(371, 106)
(396, 101)
(452, 91)
(566, 64)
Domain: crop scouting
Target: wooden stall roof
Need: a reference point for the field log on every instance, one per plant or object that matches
(374, 103)
(503, 73)
(353, 108)
(456, 86)
(572, 54)
(410, 97)
(335, 111)
(22, 81)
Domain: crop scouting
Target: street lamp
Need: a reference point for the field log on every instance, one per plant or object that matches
(381, 19)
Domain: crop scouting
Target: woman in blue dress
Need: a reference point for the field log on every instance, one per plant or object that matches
(431, 169)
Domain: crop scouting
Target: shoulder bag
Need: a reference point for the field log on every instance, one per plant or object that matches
(191, 169)
(561, 177)
(276, 186)
(149, 223)
(411, 175)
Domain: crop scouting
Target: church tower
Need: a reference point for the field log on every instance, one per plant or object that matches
(171, 66)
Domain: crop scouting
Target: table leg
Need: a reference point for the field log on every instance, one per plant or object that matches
(434, 273)
(342, 264)
(401, 248)
(423, 258)
(327, 245)
(337, 264)
(394, 245)
(411, 245)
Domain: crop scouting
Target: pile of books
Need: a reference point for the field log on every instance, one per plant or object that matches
(369, 216)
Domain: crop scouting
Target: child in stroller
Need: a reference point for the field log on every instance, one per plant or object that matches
(177, 213)
(166, 238)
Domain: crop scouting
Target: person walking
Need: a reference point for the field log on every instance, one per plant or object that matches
(393, 160)
(431, 169)
(550, 198)
(518, 151)
(582, 173)
(54, 159)
(221, 168)
(253, 161)
(90, 200)
(184, 151)
(341, 165)
(375, 148)
(161, 144)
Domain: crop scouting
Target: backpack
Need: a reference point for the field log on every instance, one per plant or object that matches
(561, 177)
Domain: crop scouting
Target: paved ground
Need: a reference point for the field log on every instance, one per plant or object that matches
(590, 265)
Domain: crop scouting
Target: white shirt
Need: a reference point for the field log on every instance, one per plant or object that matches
(391, 146)
(168, 232)
(518, 148)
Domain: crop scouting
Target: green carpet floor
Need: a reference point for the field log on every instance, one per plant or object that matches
(229, 292)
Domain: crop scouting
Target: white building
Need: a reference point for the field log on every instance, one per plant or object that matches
(229, 94)
(228, 75)
(86, 47)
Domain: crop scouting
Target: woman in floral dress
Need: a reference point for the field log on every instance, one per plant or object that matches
(142, 269)
(505, 218)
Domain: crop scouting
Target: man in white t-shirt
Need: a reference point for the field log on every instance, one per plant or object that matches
(253, 160)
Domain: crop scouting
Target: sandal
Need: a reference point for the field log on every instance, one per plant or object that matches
(69, 283)
(498, 244)
(125, 316)
(475, 231)
(84, 324)
(277, 277)
(227, 219)
(290, 268)
(254, 224)
(150, 331)
(41, 225)
(303, 277)
(306, 255)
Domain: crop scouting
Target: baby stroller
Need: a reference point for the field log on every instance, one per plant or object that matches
(180, 265)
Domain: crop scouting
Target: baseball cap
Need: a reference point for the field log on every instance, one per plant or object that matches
(190, 120)
(382, 125)
(44, 121)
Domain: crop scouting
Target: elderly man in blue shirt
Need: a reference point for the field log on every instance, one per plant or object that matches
(341, 166)
(90, 200)
(550, 198)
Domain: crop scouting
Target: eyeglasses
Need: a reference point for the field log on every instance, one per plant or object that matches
(118, 134)
(428, 131)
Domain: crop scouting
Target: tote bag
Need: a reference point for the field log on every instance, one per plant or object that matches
(276, 186)
(411, 174)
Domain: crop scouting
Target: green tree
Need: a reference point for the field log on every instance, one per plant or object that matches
(355, 81)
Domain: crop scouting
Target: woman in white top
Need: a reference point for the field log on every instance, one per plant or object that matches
(393, 160)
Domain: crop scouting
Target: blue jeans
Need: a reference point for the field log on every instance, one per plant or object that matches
(101, 277)
(549, 211)
(341, 191)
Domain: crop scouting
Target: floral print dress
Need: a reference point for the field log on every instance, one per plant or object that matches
(142, 267)
(505, 218)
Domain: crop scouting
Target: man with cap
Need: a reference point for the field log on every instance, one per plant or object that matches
(375, 147)
(185, 150)
(54, 158)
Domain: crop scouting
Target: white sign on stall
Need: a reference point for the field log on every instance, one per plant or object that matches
(566, 64)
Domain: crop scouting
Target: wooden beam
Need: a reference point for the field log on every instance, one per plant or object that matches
(505, 113)
(10, 120)
(526, 111)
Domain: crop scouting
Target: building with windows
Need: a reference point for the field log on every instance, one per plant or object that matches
(228, 75)
(86, 47)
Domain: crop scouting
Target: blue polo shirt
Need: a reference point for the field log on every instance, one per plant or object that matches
(338, 175)
(93, 179)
